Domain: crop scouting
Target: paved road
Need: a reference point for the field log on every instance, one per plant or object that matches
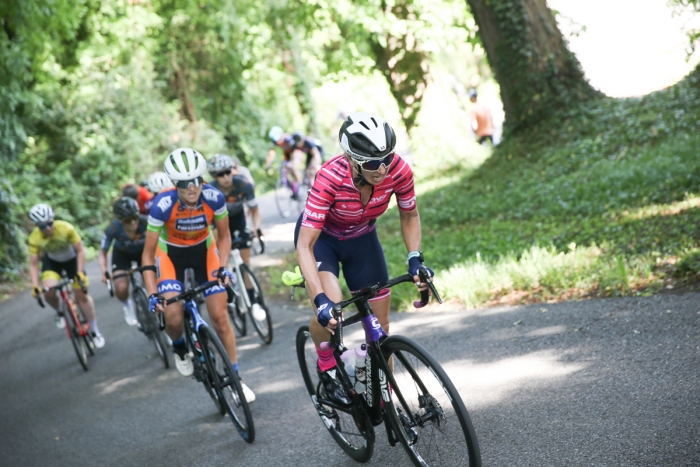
(596, 383)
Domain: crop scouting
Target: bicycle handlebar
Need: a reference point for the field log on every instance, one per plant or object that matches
(192, 292)
(62, 283)
(371, 291)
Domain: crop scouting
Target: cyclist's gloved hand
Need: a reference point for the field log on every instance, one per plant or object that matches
(36, 291)
(153, 303)
(323, 308)
(415, 262)
(223, 272)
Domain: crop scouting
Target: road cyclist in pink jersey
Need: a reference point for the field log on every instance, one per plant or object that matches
(337, 229)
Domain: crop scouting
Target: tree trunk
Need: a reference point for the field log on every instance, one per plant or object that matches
(537, 73)
(403, 64)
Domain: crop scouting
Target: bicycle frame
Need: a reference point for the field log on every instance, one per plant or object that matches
(379, 379)
(237, 261)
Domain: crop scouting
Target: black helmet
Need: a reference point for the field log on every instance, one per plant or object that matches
(297, 137)
(131, 191)
(365, 137)
(125, 207)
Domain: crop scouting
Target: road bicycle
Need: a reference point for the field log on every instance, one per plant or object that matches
(287, 203)
(77, 327)
(242, 305)
(405, 387)
(147, 321)
(212, 366)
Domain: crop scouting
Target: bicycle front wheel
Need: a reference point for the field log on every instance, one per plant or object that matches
(149, 325)
(227, 384)
(283, 198)
(427, 412)
(262, 326)
(77, 340)
(354, 434)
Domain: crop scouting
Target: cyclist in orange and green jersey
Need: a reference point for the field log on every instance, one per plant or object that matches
(179, 236)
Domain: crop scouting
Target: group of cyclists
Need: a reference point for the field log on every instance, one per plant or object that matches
(178, 221)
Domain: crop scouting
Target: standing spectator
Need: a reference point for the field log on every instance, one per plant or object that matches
(481, 120)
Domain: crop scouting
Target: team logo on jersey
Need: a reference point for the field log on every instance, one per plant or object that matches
(191, 224)
(211, 194)
(378, 199)
(165, 203)
(314, 215)
(169, 286)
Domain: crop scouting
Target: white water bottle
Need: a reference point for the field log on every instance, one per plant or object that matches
(348, 359)
(360, 369)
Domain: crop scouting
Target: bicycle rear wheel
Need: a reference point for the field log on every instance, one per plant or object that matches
(426, 411)
(74, 333)
(354, 434)
(263, 326)
(283, 198)
(226, 383)
(149, 325)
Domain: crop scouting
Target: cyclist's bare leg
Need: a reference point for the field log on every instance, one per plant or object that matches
(173, 317)
(218, 315)
(86, 304)
(331, 287)
(121, 286)
(51, 296)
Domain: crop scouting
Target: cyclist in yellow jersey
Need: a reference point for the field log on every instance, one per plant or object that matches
(59, 248)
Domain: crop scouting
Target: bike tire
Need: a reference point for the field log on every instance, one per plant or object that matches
(283, 198)
(226, 383)
(149, 325)
(444, 435)
(264, 326)
(353, 432)
(77, 340)
(89, 341)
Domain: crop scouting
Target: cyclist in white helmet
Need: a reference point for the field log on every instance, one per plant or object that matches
(59, 248)
(337, 229)
(290, 156)
(238, 193)
(179, 236)
(158, 181)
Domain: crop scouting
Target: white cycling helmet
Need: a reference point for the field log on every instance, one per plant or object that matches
(275, 133)
(218, 163)
(41, 213)
(159, 181)
(184, 164)
(365, 137)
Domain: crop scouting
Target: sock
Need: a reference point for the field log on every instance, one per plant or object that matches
(93, 327)
(251, 295)
(326, 359)
(179, 346)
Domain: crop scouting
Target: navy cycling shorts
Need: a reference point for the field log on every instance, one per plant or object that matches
(361, 258)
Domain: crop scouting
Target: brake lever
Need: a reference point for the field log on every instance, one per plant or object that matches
(424, 276)
(109, 284)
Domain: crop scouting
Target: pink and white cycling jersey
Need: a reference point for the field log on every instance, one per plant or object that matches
(334, 204)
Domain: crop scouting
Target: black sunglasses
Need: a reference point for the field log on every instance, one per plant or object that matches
(45, 225)
(186, 183)
(126, 220)
(224, 173)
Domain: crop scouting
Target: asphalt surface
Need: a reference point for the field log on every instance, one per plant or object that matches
(612, 382)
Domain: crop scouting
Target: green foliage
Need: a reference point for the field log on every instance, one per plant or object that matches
(620, 179)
